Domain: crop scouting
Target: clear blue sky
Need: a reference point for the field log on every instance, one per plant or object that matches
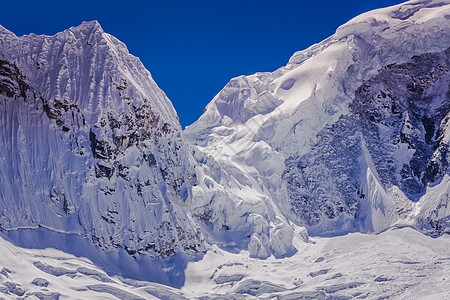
(193, 48)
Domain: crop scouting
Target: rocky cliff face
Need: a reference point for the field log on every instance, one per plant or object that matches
(90, 145)
(395, 128)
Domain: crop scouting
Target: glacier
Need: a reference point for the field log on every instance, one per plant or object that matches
(345, 145)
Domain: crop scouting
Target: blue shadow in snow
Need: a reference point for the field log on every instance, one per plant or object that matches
(168, 271)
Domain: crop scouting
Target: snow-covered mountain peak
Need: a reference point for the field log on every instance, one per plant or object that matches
(363, 34)
(370, 25)
(107, 56)
(89, 25)
(100, 143)
(362, 46)
(302, 136)
(85, 29)
(352, 135)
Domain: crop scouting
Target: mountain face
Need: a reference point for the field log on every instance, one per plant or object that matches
(89, 145)
(352, 135)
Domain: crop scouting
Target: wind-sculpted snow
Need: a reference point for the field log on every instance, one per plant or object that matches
(348, 136)
(90, 145)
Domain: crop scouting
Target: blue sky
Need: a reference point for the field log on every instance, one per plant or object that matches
(193, 48)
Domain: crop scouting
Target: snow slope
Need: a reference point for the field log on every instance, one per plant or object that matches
(399, 264)
(351, 135)
(396, 264)
(53, 274)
